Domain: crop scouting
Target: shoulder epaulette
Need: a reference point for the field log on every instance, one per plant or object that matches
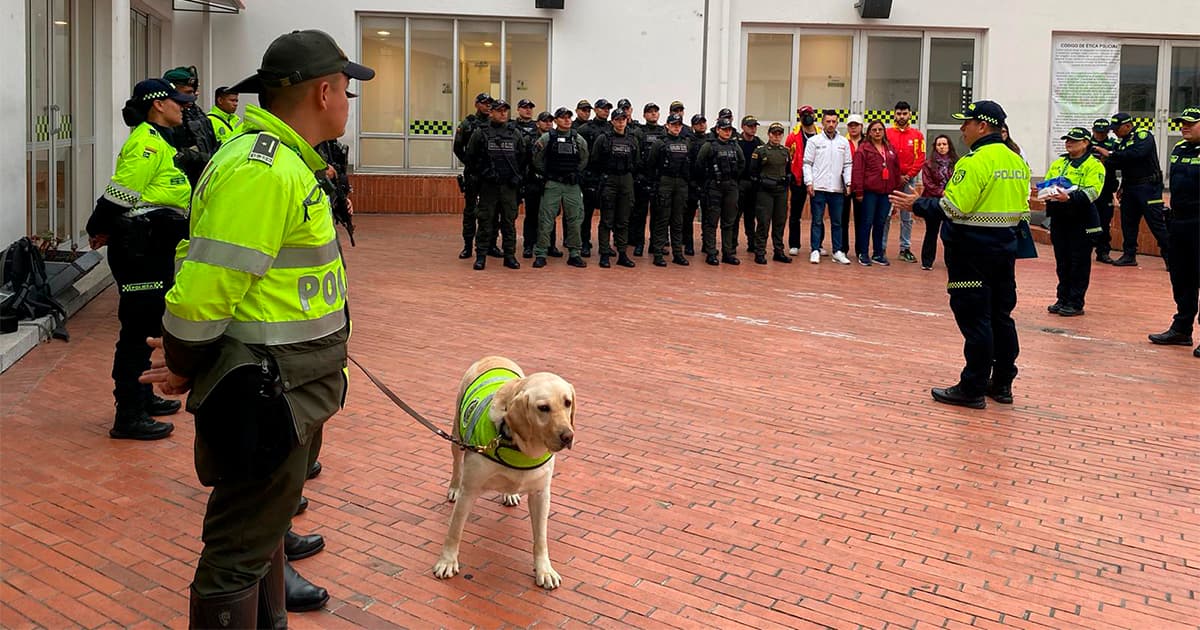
(265, 146)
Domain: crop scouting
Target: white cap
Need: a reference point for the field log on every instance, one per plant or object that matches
(854, 118)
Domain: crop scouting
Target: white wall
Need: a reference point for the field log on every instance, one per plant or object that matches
(12, 125)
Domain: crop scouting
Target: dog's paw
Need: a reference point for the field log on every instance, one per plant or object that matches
(446, 568)
(547, 577)
(453, 493)
(510, 500)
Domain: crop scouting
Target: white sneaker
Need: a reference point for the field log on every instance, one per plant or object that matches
(824, 252)
(840, 258)
(795, 251)
(815, 257)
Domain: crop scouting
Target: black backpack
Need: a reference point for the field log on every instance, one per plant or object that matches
(26, 289)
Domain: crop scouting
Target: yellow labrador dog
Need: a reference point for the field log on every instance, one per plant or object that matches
(518, 423)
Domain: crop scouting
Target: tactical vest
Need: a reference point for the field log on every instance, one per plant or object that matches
(725, 158)
(622, 147)
(502, 153)
(675, 157)
(562, 156)
(476, 428)
(650, 135)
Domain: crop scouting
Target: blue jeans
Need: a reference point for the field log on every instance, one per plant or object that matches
(876, 211)
(835, 201)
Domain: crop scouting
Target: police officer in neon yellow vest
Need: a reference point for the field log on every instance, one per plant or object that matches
(256, 325)
(224, 118)
(1074, 220)
(985, 202)
(141, 216)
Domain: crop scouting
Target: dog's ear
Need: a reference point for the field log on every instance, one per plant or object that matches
(514, 412)
(574, 404)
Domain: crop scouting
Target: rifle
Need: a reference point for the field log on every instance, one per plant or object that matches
(339, 189)
(196, 143)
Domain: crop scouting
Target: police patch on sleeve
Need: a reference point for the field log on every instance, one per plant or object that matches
(264, 149)
(958, 177)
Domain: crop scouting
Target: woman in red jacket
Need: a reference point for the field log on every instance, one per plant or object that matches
(936, 174)
(876, 174)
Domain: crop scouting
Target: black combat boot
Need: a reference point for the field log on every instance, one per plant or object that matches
(659, 261)
(301, 595)
(539, 262)
(781, 257)
(480, 262)
(638, 250)
(133, 423)
(624, 260)
(156, 406)
(297, 547)
(678, 259)
(760, 258)
(314, 470)
(511, 262)
(730, 259)
(466, 251)
(604, 264)
(712, 259)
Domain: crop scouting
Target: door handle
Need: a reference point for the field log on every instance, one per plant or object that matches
(55, 127)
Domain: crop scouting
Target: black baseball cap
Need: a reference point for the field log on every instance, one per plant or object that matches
(676, 106)
(526, 103)
(1189, 115)
(224, 91)
(624, 103)
(500, 104)
(674, 118)
(725, 113)
(301, 56)
(1077, 133)
(988, 111)
(157, 90)
(1120, 118)
(545, 117)
(749, 121)
(603, 104)
(563, 111)
(620, 114)
(583, 104)
(484, 97)
(650, 107)
(698, 118)
(1101, 124)
(724, 123)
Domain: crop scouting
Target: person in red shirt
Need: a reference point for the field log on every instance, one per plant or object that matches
(909, 144)
(854, 133)
(876, 173)
(806, 127)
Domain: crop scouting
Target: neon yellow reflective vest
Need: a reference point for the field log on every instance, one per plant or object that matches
(146, 177)
(477, 429)
(1087, 173)
(989, 188)
(225, 126)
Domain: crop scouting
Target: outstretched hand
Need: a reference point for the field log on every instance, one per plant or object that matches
(902, 200)
(168, 382)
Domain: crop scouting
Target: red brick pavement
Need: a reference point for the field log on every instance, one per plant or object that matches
(756, 447)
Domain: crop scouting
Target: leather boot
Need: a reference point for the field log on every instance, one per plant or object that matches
(623, 260)
(228, 610)
(297, 547)
(480, 262)
(678, 259)
(157, 406)
(272, 605)
(511, 262)
(133, 423)
(302, 595)
(314, 470)
(466, 250)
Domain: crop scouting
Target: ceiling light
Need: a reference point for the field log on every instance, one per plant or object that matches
(489, 44)
(384, 33)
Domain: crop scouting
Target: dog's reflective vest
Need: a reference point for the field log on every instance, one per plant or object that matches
(475, 424)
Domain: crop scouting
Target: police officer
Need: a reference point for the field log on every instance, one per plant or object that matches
(725, 112)
(616, 156)
(497, 153)
(720, 162)
(695, 199)
(534, 185)
(583, 113)
(985, 201)
(1074, 220)
(470, 179)
(670, 167)
(194, 138)
(141, 217)
(591, 131)
(643, 198)
(1141, 187)
(677, 108)
(748, 141)
(256, 326)
(561, 156)
(627, 107)
(1104, 203)
(770, 168)
(1184, 229)
(223, 116)
(524, 121)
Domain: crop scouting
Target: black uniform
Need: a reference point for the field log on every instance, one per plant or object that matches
(497, 153)
(643, 197)
(591, 183)
(670, 166)
(1141, 190)
(696, 198)
(1104, 203)
(470, 182)
(1185, 233)
(615, 158)
(534, 184)
(770, 165)
(721, 162)
(747, 191)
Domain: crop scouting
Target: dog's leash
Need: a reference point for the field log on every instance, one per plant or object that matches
(413, 412)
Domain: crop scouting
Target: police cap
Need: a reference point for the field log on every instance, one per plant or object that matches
(583, 104)
(674, 118)
(1101, 124)
(183, 75)
(650, 107)
(624, 104)
(499, 104)
(603, 104)
(724, 123)
(725, 113)
(301, 56)
(775, 128)
(563, 111)
(1077, 133)
(545, 117)
(749, 121)
(223, 91)
(484, 97)
(988, 111)
(1120, 118)
(698, 118)
(676, 106)
(523, 103)
(620, 115)
(157, 90)
(1189, 115)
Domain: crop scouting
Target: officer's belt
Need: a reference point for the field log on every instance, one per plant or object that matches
(1138, 181)
(137, 212)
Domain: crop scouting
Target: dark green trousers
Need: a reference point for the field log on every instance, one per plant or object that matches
(722, 207)
(497, 200)
(571, 199)
(672, 198)
(616, 204)
(772, 211)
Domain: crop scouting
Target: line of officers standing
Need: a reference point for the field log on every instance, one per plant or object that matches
(632, 172)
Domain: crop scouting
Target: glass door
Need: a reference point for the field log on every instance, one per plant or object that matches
(1183, 89)
(891, 72)
(825, 72)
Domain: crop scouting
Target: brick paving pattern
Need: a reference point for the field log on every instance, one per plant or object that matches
(756, 447)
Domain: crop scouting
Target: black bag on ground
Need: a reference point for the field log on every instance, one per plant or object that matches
(24, 279)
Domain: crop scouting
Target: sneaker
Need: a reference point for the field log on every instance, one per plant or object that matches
(864, 260)
(815, 257)
(840, 258)
(795, 251)
(881, 260)
(907, 256)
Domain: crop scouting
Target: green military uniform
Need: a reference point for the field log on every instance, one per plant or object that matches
(671, 166)
(720, 162)
(561, 158)
(769, 168)
(497, 153)
(643, 196)
(225, 126)
(616, 157)
(1074, 224)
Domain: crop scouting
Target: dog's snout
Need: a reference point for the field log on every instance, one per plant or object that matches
(567, 438)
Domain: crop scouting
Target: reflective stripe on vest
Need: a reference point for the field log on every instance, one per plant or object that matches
(252, 261)
(264, 333)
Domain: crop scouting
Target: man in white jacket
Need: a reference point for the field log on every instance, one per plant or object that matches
(827, 166)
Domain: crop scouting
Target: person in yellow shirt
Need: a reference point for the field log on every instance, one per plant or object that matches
(224, 119)
(141, 216)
